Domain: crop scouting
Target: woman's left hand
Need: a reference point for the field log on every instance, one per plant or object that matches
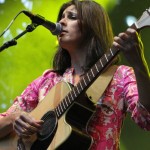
(131, 45)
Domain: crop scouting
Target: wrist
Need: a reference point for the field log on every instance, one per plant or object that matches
(6, 125)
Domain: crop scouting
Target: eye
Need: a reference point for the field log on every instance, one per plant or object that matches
(72, 16)
(63, 16)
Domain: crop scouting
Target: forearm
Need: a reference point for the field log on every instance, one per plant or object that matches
(6, 126)
(143, 82)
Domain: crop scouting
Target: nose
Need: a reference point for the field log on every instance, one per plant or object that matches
(63, 21)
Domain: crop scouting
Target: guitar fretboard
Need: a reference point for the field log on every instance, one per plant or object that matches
(86, 81)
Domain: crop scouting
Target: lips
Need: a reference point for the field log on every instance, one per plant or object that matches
(63, 32)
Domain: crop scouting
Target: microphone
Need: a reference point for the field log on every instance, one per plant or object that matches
(55, 29)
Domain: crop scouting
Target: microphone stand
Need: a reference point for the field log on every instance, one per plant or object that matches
(13, 42)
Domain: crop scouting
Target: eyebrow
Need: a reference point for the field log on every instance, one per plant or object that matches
(70, 11)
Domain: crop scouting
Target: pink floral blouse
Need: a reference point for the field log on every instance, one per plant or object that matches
(120, 97)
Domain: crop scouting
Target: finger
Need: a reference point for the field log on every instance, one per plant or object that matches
(118, 43)
(125, 38)
(25, 125)
(22, 134)
(31, 122)
(133, 34)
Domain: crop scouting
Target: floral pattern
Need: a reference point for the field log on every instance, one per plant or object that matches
(120, 97)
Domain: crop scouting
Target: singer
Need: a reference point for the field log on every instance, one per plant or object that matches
(86, 36)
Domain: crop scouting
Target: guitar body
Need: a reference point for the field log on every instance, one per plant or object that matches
(56, 133)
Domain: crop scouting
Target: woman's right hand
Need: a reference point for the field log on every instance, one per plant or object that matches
(25, 125)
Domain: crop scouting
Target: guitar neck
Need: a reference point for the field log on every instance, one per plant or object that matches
(86, 81)
(97, 69)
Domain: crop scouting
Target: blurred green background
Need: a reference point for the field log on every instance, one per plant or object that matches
(34, 51)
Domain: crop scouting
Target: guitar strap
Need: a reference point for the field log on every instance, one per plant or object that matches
(95, 91)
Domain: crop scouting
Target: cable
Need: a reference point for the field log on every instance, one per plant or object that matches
(10, 24)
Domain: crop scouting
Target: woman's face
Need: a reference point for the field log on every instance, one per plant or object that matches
(71, 36)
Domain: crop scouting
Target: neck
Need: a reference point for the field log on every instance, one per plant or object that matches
(78, 61)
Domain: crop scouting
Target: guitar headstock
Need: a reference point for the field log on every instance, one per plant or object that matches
(144, 20)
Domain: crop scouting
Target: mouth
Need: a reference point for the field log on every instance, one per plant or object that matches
(63, 32)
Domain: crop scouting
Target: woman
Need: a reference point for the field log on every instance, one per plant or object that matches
(86, 36)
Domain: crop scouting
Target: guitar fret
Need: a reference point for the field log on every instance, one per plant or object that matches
(81, 86)
(92, 73)
(71, 96)
(78, 90)
(63, 105)
(106, 57)
(57, 112)
(101, 63)
(88, 77)
(61, 109)
(84, 81)
(111, 52)
(96, 68)
(66, 102)
(69, 99)
(74, 93)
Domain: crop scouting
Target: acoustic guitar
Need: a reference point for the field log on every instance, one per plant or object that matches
(65, 113)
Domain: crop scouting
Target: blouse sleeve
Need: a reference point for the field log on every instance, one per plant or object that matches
(138, 112)
(26, 101)
(30, 97)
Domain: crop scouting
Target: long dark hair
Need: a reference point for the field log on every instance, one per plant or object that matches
(96, 29)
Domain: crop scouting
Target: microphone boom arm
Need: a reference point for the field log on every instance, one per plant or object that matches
(13, 42)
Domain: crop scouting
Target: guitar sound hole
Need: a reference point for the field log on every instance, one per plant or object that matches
(49, 126)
